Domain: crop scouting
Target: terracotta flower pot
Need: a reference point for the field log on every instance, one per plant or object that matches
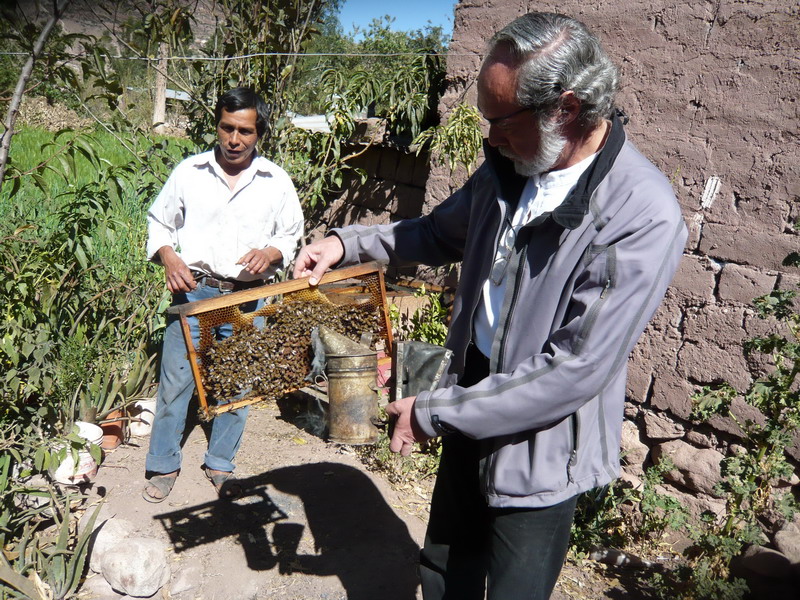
(113, 430)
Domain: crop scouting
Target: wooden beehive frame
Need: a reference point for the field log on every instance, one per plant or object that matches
(184, 311)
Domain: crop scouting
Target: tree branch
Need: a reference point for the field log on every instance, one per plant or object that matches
(59, 6)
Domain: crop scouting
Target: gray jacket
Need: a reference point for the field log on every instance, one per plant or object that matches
(586, 280)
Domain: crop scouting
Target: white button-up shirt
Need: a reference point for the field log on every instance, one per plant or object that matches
(542, 193)
(211, 226)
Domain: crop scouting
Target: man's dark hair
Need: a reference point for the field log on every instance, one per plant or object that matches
(239, 99)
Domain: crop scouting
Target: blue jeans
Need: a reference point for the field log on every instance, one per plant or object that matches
(175, 390)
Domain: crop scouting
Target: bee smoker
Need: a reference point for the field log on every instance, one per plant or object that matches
(351, 370)
(352, 398)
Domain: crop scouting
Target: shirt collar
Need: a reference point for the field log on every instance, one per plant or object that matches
(570, 213)
(259, 165)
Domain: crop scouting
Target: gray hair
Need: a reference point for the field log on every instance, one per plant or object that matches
(556, 54)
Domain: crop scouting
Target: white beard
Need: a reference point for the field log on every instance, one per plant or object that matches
(551, 144)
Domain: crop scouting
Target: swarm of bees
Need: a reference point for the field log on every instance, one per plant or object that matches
(275, 359)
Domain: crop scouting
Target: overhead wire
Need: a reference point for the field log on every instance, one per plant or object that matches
(281, 54)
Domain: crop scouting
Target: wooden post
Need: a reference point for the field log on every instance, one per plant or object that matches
(160, 98)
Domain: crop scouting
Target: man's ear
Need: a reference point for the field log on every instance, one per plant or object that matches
(569, 107)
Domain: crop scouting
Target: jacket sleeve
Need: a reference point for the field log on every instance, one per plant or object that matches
(435, 239)
(617, 288)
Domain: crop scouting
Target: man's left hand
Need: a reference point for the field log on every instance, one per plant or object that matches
(259, 259)
(406, 429)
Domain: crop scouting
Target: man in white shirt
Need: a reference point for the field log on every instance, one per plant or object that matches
(225, 220)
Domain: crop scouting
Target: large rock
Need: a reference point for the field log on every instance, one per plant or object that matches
(136, 566)
(765, 561)
(695, 468)
(787, 541)
(695, 504)
(658, 426)
(634, 451)
(701, 440)
(106, 536)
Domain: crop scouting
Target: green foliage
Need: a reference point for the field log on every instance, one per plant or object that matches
(660, 512)
(18, 35)
(74, 295)
(605, 517)
(427, 324)
(48, 564)
(599, 519)
(317, 161)
(458, 141)
(749, 474)
(251, 27)
(401, 81)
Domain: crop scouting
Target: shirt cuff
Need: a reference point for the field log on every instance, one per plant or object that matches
(155, 242)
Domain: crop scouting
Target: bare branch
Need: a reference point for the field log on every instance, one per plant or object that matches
(59, 6)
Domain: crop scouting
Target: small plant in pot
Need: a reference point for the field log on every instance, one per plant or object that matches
(104, 399)
(73, 458)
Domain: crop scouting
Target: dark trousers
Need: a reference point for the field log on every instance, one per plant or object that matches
(513, 553)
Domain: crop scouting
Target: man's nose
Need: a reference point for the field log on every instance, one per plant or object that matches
(496, 137)
(233, 140)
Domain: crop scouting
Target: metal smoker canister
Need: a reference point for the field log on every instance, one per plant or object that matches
(352, 398)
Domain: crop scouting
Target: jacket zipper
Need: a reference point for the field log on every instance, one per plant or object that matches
(500, 357)
(574, 422)
(512, 308)
(574, 426)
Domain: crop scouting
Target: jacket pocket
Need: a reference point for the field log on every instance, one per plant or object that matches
(530, 463)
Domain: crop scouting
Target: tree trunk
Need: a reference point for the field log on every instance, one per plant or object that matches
(160, 99)
(59, 6)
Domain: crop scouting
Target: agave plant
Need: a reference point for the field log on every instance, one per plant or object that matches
(114, 387)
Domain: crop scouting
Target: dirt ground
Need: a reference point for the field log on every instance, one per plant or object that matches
(313, 522)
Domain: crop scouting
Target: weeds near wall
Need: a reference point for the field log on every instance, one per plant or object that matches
(750, 474)
(622, 517)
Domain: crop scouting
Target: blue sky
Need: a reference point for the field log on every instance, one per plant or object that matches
(408, 14)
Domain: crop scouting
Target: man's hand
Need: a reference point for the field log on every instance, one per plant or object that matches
(406, 429)
(259, 259)
(313, 260)
(178, 276)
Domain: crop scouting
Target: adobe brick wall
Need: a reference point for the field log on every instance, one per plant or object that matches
(711, 89)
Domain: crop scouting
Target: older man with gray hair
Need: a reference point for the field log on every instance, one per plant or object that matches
(568, 238)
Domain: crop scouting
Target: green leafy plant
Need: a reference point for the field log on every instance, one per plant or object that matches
(458, 141)
(428, 323)
(660, 512)
(319, 161)
(750, 473)
(47, 567)
(599, 519)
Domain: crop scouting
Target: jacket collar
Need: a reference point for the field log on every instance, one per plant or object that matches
(570, 213)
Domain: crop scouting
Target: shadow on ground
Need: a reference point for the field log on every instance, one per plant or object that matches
(356, 535)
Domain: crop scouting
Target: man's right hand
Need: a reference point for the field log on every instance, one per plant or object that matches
(179, 277)
(313, 260)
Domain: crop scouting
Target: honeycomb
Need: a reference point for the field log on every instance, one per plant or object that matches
(269, 353)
